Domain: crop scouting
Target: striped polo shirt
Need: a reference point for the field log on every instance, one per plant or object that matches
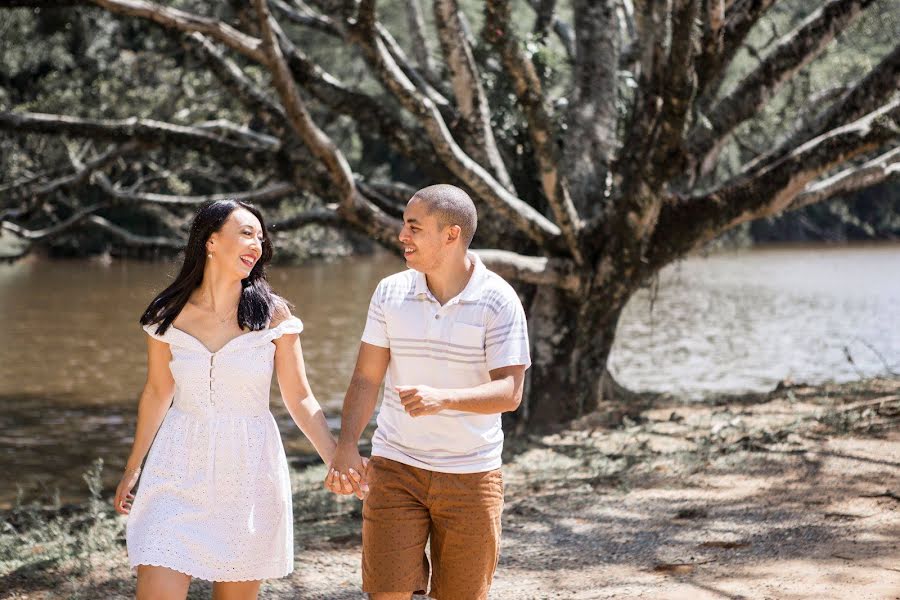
(451, 346)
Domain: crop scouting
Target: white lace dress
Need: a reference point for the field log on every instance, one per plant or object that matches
(214, 498)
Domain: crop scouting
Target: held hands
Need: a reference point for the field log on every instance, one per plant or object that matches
(421, 400)
(347, 473)
(124, 497)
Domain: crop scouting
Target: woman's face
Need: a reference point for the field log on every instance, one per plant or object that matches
(237, 246)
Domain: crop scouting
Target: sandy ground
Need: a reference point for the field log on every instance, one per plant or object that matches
(790, 495)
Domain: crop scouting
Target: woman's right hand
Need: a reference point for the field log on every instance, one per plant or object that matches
(124, 497)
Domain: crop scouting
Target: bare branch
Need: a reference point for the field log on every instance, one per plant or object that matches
(478, 141)
(327, 215)
(879, 85)
(721, 42)
(388, 202)
(398, 192)
(370, 114)
(48, 233)
(770, 190)
(242, 132)
(315, 139)
(416, 22)
(133, 239)
(879, 170)
(143, 130)
(536, 270)
(264, 195)
(562, 29)
(523, 216)
(75, 179)
(448, 111)
(173, 18)
(679, 85)
(308, 18)
(234, 77)
(793, 52)
(592, 117)
(353, 207)
(527, 87)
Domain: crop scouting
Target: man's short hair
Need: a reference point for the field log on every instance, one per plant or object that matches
(452, 206)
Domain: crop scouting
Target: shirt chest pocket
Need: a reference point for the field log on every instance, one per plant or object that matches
(466, 348)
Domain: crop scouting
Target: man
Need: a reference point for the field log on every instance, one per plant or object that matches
(451, 337)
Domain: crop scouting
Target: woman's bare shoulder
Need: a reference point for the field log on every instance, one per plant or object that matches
(280, 312)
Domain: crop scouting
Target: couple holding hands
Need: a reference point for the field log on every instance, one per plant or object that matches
(448, 339)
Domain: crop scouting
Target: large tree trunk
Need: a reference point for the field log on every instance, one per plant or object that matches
(571, 340)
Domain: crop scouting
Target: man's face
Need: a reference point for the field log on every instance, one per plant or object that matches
(424, 241)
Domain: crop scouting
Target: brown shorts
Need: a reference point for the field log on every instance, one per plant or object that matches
(461, 513)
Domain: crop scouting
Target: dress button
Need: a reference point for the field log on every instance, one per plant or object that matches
(437, 316)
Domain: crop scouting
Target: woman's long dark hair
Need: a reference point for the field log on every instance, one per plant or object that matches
(258, 302)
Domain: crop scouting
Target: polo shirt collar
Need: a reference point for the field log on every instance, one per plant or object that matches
(472, 291)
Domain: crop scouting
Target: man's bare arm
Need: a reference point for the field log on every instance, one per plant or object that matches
(347, 472)
(503, 393)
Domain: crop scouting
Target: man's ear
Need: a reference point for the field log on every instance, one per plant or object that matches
(453, 233)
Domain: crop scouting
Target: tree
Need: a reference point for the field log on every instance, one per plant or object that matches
(583, 198)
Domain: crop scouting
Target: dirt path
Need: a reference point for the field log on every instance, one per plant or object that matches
(790, 495)
(794, 497)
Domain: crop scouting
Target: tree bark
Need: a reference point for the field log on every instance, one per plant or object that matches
(571, 338)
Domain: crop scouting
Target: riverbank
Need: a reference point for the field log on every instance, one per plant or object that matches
(792, 494)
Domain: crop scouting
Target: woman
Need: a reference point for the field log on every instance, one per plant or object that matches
(215, 497)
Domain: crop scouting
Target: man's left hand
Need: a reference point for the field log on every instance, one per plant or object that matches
(421, 400)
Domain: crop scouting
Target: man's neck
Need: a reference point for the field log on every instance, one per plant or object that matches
(451, 278)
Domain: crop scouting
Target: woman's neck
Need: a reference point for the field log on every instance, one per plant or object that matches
(217, 294)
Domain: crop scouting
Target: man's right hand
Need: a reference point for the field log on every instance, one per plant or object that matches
(347, 473)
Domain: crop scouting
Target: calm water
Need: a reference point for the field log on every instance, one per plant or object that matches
(72, 354)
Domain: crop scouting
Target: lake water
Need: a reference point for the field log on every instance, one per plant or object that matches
(72, 356)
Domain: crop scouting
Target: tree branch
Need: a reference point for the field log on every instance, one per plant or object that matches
(48, 233)
(370, 114)
(562, 29)
(592, 116)
(264, 195)
(314, 138)
(72, 180)
(793, 52)
(327, 215)
(416, 23)
(718, 48)
(527, 87)
(308, 18)
(187, 22)
(685, 224)
(879, 170)
(133, 239)
(478, 140)
(679, 85)
(880, 84)
(536, 270)
(352, 205)
(143, 130)
(230, 74)
(523, 216)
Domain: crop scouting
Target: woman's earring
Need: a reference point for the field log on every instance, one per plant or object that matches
(209, 255)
